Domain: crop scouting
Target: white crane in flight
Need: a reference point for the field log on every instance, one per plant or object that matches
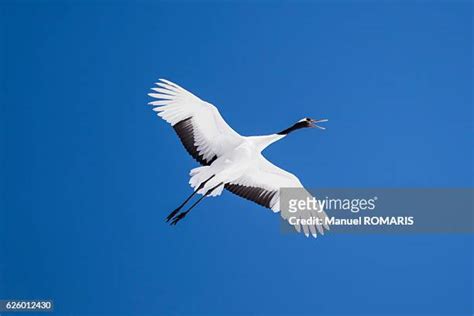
(229, 160)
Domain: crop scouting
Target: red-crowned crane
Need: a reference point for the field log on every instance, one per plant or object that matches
(229, 160)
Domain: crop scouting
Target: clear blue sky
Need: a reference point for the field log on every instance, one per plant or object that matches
(89, 172)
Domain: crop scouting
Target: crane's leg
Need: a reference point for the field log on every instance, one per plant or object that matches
(181, 215)
(172, 214)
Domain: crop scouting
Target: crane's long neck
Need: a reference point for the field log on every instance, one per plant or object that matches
(294, 127)
(262, 142)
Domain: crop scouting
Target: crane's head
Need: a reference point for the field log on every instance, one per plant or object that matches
(303, 123)
(309, 122)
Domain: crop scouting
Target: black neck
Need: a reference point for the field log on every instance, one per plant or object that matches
(290, 129)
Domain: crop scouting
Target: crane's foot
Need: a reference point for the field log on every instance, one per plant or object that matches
(172, 214)
(179, 217)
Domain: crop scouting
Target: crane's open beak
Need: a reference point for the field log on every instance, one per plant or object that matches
(313, 123)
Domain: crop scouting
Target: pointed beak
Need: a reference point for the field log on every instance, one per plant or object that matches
(313, 123)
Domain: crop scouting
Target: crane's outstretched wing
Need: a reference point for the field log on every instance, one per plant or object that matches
(262, 183)
(199, 125)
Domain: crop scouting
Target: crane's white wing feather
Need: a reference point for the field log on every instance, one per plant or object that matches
(199, 125)
(262, 183)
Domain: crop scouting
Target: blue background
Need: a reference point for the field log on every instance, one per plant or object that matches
(89, 172)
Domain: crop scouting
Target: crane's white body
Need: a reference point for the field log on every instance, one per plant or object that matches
(235, 161)
(234, 164)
